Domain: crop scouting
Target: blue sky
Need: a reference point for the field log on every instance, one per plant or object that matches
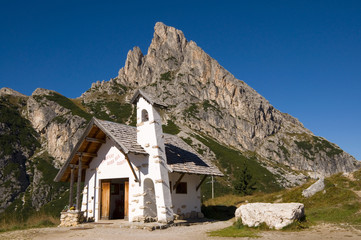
(303, 56)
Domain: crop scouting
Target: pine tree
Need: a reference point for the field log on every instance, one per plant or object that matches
(244, 184)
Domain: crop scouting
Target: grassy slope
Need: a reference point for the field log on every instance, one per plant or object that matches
(117, 112)
(338, 204)
(232, 162)
(69, 104)
(21, 214)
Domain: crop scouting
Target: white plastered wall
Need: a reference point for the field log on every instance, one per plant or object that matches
(111, 164)
(191, 201)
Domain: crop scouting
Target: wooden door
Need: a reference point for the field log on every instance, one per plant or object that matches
(126, 198)
(105, 201)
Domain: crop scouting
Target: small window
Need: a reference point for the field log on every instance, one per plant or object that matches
(181, 188)
(145, 117)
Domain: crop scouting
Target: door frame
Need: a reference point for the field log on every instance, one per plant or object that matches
(126, 197)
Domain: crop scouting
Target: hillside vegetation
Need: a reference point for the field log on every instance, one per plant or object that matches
(339, 203)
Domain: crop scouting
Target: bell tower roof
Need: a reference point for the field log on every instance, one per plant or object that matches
(148, 98)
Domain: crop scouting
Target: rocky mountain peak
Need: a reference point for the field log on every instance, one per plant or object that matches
(207, 98)
(42, 91)
(9, 91)
(166, 37)
(133, 61)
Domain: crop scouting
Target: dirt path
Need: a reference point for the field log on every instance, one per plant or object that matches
(198, 232)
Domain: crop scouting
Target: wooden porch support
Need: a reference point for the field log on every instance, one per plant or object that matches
(95, 140)
(131, 168)
(178, 181)
(199, 185)
(78, 200)
(95, 190)
(71, 185)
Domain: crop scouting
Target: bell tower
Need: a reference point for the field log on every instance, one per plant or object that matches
(150, 137)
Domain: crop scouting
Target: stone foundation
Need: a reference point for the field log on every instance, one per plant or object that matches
(71, 218)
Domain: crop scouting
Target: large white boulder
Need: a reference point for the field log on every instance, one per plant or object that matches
(275, 215)
(314, 188)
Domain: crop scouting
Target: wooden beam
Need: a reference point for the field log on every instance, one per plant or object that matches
(71, 186)
(86, 154)
(94, 140)
(178, 181)
(83, 166)
(78, 202)
(131, 168)
(199, 185)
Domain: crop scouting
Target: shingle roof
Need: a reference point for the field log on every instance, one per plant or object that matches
(183, 158)
(125, 135)
(180, 156)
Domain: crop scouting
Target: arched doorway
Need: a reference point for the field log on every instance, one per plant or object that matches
(150, 210)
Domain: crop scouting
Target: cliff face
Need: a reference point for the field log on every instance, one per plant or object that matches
(30, 129)
(219, 115)
(54, 118)
(24, 163)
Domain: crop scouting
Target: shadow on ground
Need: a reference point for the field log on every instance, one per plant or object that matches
(219, 212)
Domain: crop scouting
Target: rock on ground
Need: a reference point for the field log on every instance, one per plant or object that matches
(275, 215)
(314, 188)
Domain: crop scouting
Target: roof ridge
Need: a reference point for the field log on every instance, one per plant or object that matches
(116, 123)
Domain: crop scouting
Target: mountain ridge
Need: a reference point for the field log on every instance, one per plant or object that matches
(172, 60)
(220, 116)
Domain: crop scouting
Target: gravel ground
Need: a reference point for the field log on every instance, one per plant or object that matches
(198, 232)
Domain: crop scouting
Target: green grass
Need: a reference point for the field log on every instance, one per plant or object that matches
(191, 111)
(238, 230)
(324, 145)
(118, 112)
(117, 87)
(305, 145)
(311, 145)
(338, 204)
(44, 163)
(38, 221)
(234, 231)
(167, 76)
(171, 128)
(68, 104)
(60, 119)
(286, 153)
(213, 106)
(233, 162)
(21, 213)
